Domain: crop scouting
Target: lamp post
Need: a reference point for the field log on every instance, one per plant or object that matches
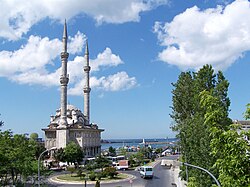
(85, 180)
(197, 167)
(38, 164)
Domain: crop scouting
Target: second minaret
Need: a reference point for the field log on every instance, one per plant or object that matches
(64, 79)
(86, 89)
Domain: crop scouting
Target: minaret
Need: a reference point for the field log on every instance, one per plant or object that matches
(86, 89)
(64, 79)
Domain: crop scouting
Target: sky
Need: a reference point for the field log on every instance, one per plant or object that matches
(137, 48)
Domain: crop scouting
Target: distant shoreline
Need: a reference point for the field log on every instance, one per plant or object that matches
(139, 140)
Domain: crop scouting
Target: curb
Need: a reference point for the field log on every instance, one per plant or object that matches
(56, 180)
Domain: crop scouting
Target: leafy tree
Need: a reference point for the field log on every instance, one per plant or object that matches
(73, 153)
(189, 115)
(123, 151)
(92, 176)
(247, 113)
(34, 136)
(158, 150)
(112, 151)
(1, 123)
(102, 162)
(16, 157)
(231, 150)
(59, 155)
(111, 172)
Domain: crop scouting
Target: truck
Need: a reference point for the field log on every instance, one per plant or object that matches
(122, 165)
(167, 163)
(146, 172)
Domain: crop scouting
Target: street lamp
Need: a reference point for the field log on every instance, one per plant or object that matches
(197, 167)
(39, 158)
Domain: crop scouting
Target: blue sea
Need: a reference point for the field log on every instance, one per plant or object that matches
(119, 143)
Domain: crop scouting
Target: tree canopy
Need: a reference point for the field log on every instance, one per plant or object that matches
(189, 118)
(73, 153)
(17, 157)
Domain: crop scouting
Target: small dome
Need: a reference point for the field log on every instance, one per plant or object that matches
(72, 107)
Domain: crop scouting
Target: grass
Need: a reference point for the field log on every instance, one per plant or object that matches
(74, 177)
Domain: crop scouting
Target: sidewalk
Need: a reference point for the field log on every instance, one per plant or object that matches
(176, 179)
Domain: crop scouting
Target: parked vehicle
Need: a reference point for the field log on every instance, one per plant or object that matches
(146, 172)
(122, 165)
(167, 163)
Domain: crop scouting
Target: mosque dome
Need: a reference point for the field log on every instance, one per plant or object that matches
(74, 117)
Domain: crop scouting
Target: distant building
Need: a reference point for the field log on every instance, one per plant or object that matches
(245, 126)
(69, 123)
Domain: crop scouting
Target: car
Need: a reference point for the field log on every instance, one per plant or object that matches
(146, 172)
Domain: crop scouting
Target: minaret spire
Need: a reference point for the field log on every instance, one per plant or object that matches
(65, 37)
(86, 89)
(64, 79)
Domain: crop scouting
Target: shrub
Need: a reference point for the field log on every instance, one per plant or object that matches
(111, 172)
(99, 175)
(92, 176)
(71, 170)
(80, 173)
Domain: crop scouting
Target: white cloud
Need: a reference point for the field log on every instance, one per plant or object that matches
(33, 64)
(217, 36)
(18, 16)
(107, 58)
(116, 82)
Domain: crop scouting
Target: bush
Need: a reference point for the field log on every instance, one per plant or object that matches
(99, 175)
(111, 172)
(71, 170)
(92, 176)
(80, 173)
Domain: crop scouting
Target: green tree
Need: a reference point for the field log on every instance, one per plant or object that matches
(231, 150)
(111, 172)
(102, 162)
(59, 155)
(34, 136)
(73, 153)
(1, 122)
(189, 115)
(17, 157)
(112, 151)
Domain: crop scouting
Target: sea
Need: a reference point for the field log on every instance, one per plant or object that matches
(119, 143)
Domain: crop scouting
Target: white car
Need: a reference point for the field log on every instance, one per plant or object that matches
(146, 172)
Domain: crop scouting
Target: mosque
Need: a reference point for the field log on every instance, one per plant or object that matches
(69, 123)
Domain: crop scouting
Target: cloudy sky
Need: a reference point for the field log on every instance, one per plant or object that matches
(137, 49)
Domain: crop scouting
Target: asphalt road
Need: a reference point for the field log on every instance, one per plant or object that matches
(162, 177)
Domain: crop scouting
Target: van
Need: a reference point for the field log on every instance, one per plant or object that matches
(146, 172)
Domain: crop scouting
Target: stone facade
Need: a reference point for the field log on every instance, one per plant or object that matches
(87, 136)
(69, 123)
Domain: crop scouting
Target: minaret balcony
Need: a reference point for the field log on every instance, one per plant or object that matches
(64, 55)
(86, 68)
(64, 80)
(86, 90)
